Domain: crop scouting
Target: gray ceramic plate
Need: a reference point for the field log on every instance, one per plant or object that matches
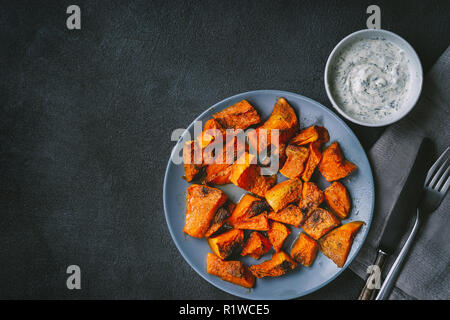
(302, 280)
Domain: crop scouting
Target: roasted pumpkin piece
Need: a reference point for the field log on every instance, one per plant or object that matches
(192, 158)
(247, 175)
(275, 157)
(283, 119)
(281, 263)
(232, 271)
(256, 246)
(336, 245)
(313, 160)
(306, 136)
(324, 136)
(290, 215)
(311, 194)
(333, 165)
(211, 129)
(295, 162)
(304, 250)
(250, 213)
(259, 222)
(248, 207)
(219, 172)
(312, 197)
(226, 243)
(230, 205)
(277, 233)
(319, 223)
(202, 203)
(239, 116)
(311, 134)
(221, 215)
(244, 170)
(338, 199)
(261, 184)
(279, 151)
(284, 193)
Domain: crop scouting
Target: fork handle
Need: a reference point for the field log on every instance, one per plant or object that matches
(369, 292)
(396, 266)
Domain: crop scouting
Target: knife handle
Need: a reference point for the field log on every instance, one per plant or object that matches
(396, 266)
(369, 292)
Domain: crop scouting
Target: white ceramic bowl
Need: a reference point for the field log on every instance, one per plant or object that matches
(415, 71)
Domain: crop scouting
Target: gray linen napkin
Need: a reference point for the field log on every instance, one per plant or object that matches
(426, 271)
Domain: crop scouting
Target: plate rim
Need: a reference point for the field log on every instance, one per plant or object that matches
(285, 94)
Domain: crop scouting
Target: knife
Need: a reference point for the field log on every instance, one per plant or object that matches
(401, 215)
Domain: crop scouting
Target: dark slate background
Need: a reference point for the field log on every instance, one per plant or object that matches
(87, 116)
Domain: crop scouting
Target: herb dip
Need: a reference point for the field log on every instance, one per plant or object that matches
(370, 79)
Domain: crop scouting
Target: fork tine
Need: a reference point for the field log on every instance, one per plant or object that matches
(435, 166)
(438, 174)
(442, 179)
(445, 187)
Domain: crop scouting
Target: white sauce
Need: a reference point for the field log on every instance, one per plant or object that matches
(370, 80)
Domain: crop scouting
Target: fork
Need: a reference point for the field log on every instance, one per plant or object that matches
(437, 183)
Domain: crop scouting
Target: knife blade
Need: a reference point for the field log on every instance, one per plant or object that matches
(407, 201)
(401, 213)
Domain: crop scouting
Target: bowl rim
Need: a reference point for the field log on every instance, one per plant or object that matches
(414, 56)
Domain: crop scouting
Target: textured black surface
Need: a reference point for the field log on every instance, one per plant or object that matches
(87, 116)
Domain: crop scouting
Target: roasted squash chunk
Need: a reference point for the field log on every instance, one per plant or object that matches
(313, 160)
(283, 118)
(250, 213)
(290, 215)
(280, 264)
(337, 244)
(239, 116)
(284, 193)
(312, 197)
(248, 207)
(261, 183)
(338, 199)
(246, 174)
(219, 172)
(274, 152)
(192, 158)
(311, 134)
(296, 160)
(226, 243)
(324, 136)
(304, 250)
(333, 165)
(202, 203)
(277, 233)
(220, 217)
(232, 271)
(259, 222)
(211, 129)
(280, 152)
(244, 170)
(319, 223)
(256, 246)
(306, 136)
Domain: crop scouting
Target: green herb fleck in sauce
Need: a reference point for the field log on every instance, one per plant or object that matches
(371, 79)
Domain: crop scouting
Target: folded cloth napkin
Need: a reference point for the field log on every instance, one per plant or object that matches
(426, 270)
